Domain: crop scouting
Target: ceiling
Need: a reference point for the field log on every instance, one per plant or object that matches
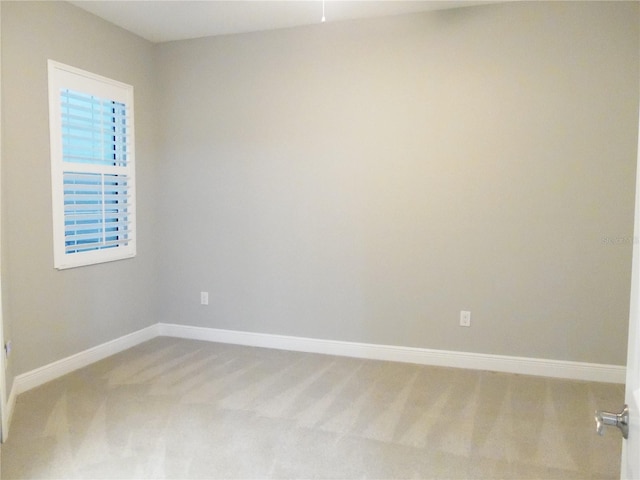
(167, 20)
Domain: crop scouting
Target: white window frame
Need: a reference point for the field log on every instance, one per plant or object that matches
(118, 241)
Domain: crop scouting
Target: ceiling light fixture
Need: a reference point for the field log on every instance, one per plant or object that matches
(323, 18)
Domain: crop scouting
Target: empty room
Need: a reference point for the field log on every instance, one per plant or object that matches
(319, 239)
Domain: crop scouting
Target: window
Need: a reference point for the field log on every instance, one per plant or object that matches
(92, 167)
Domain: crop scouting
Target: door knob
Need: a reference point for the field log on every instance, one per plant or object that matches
(620, 420)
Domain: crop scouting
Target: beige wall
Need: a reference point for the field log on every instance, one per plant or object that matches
(53, 314)
(367, 180)
(359, 181)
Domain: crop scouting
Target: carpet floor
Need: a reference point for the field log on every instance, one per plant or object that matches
(175, 408)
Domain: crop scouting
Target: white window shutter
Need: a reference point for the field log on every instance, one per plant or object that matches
(92, 167)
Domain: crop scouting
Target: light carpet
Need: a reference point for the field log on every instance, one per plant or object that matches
(175, 408)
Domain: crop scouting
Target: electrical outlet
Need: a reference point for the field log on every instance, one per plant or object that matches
(204, 298)
(465, 318)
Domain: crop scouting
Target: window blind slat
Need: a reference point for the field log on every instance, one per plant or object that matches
(92, 196)
(94, 120)
(84, 209)
(81, 228)
(94, 237)
(85, 247)
(120, 161)
(94, 231)
(75, 218)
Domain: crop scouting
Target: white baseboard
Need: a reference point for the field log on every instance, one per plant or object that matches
(475, 361)
(39, 376)
(46, 373)
(6, 418)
